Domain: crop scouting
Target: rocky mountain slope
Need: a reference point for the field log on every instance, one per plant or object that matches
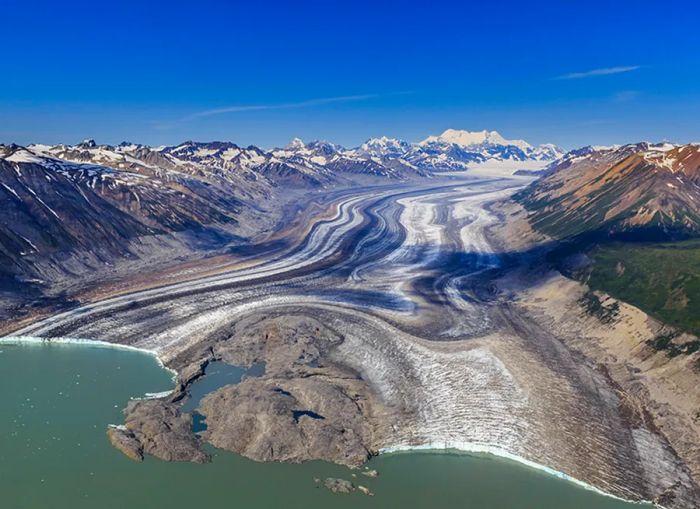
(643, 190)
(65, 219)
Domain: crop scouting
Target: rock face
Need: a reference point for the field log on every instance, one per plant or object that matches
(159, 429)
(302, 408)
(125, 441)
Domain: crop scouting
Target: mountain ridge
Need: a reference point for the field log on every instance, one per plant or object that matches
(453, 149)
(641, 189)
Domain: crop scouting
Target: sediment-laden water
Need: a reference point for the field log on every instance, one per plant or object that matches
(59, 398)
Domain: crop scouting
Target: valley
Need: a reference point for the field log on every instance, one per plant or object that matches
(381, 311)
(391, 319)
(81, 216)
(349, 255)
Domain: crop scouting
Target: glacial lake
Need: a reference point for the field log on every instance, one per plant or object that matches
(54, 454)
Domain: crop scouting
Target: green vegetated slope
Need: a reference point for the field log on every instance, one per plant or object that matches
(662, 279)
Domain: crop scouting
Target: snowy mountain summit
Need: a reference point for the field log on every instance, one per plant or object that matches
(490, 145)
(474, 139)
(385, 146)
(455, 150)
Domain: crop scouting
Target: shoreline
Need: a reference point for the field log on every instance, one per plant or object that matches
(35, 340)
(474, 449)
(466, 448)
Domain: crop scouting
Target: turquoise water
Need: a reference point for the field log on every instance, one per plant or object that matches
(54, 454)
(218, 374)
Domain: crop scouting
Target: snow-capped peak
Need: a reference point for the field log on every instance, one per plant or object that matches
(295, 144)
(383, 141)
(17, 154)
(468, 139)
(385, 146)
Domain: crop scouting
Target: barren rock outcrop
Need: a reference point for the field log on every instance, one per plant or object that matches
(160, 430)
(125, 441)
(304, 407)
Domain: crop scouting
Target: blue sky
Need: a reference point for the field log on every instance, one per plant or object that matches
(264, 72)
